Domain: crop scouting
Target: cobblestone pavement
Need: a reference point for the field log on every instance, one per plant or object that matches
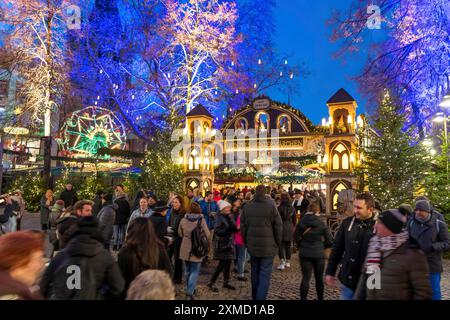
(284, 284)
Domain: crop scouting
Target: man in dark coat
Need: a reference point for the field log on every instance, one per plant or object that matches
(67, 224)
(122, 216)
(106, 218)
(159, 223)
(429, 232)
(261, 229)
(393, 269)
(350, 246)
(69, 196)
(98, 202)
(88, 243)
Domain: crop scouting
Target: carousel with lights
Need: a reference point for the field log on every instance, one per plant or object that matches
(88, 132)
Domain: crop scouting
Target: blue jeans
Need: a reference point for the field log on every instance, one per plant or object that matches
(241, 253)
(119, 234)
(346, 293)
(192, 270)
(261, 273)
(435, 281)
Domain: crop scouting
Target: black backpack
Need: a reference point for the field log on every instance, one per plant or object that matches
(200, 242)
(64, 285)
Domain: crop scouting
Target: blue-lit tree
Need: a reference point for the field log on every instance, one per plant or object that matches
(413, 61)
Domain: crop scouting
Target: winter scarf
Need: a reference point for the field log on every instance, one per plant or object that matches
(380, 246)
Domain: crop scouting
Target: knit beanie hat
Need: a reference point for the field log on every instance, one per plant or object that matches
(423, 205)
(393, 219)
(223, 204)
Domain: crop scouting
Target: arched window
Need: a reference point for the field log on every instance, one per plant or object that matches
(262, 121)
(206, 128)
(241, 124)
(340, 157)
(207, 160)
(336, 191)
(194, 159)
(195, 129)
(284, 123)
(340, 121)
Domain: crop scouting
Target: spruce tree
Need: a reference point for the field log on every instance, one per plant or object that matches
(393, 164)
(160, 174)
(438, 180)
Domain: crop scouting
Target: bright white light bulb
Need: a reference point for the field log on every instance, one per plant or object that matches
(281, 73)
(259, 61)
(285, 61)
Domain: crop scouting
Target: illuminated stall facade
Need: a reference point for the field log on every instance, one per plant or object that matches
(281, 133)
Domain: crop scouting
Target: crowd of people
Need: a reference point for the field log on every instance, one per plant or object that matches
(116, 248)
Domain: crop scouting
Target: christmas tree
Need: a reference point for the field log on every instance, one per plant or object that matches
(438, 181)
(393, 164)
(160, 174)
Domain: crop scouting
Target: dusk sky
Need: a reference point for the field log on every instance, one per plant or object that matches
(302, 30)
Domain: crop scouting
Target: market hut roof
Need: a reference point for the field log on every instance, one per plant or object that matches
(341, 96)
(199, 110)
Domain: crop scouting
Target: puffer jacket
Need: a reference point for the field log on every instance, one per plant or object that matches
(432, 237)
(224, 231)
(403, 276)
(261, 227)
(312, 237)
(350, 250)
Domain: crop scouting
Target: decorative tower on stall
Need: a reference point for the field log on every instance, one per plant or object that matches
(198, 158)
(340, 146)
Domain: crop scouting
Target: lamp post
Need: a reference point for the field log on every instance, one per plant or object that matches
(442, 117)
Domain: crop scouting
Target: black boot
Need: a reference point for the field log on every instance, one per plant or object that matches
(226, 285)
(212, 287)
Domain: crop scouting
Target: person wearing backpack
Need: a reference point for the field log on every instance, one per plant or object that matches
(84, 257)
(194, 233)
(428, 232)
(224, 250)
